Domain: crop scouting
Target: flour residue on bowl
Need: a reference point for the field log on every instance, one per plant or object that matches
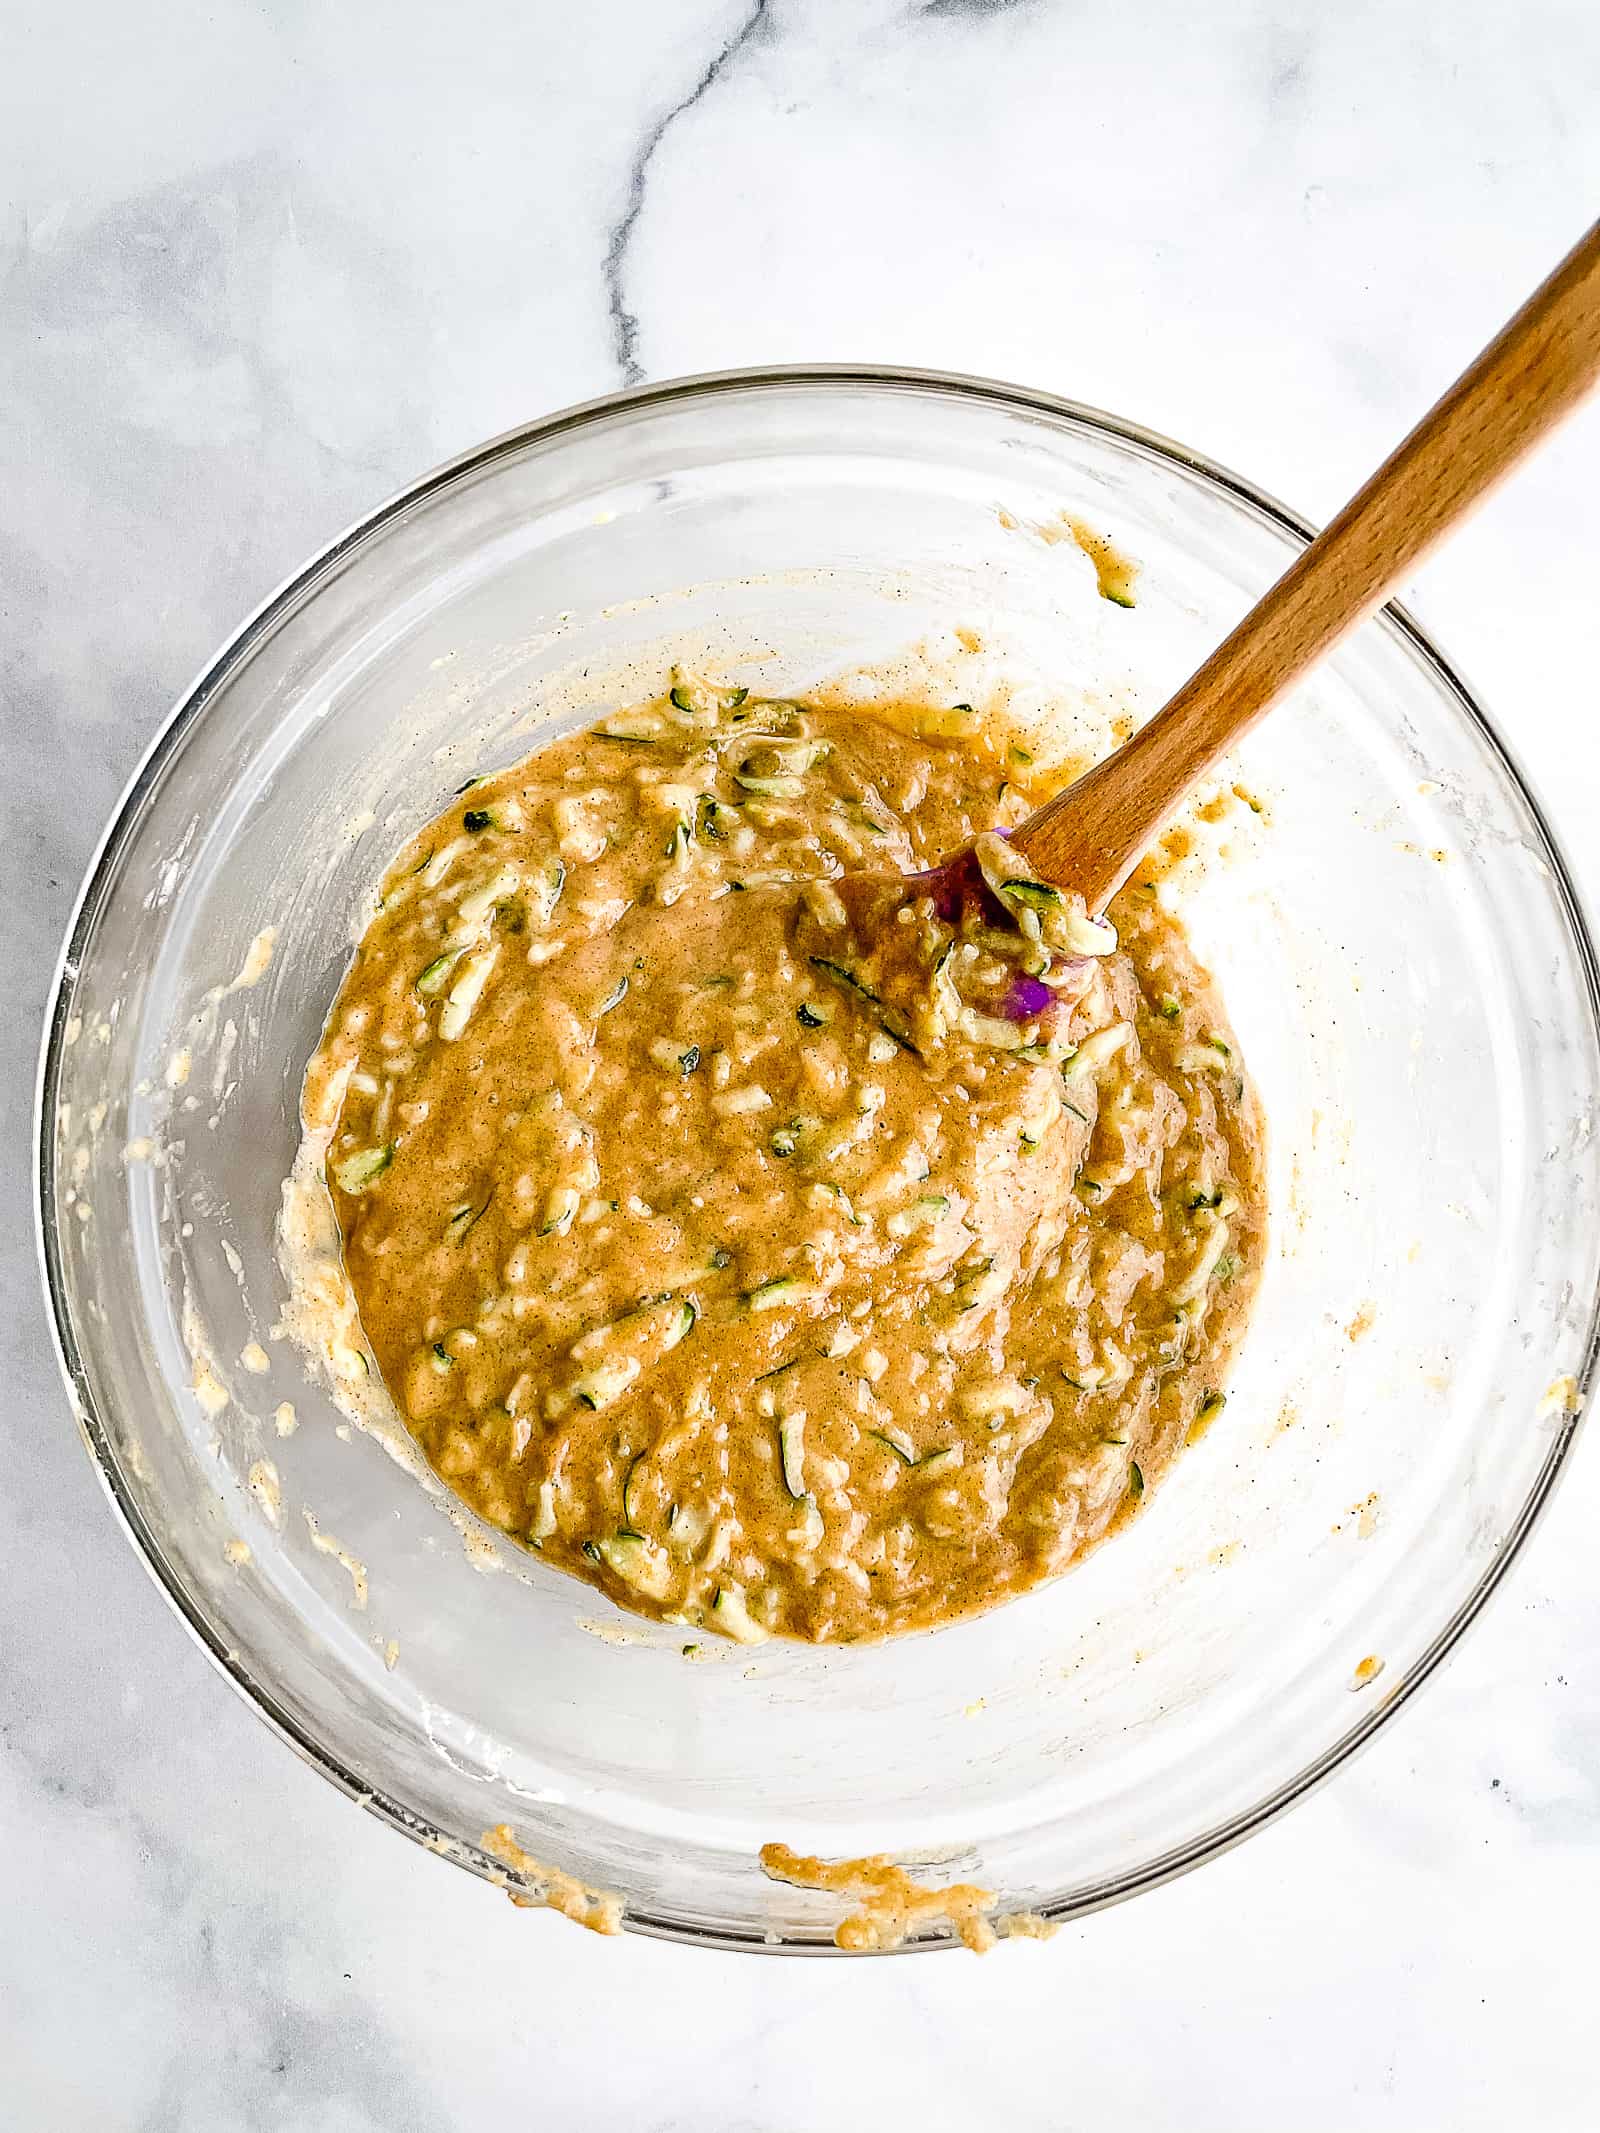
(264, 1485)
(1560, 1397)
(325, 1544)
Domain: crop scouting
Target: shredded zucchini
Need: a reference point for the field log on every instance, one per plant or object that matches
(792, 1447)
(716, 820)
(700, 700)
(1033, 895)
(643, 1564)
(437, 974)
(767, 1295)
(733, 1617)
(561, 1211)
(550, 884)
(629, 1520)
(638, 727)
(892, 1442)
(467, 990)
(604, 1385)
(357, 1171)
(465, 1216)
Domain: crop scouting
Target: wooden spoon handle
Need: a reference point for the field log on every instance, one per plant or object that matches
(1091, 836)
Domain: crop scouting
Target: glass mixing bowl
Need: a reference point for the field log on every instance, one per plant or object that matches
(1400, 950)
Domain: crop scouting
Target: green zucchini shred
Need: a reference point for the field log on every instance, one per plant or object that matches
(782, 785)
(434, 976)
(696, 701)
(357, 1171)
(792, 1453)
(634, 1465)
(563, 1205)
(550, 888)
(1037, 895)
(766, 1294)
(466, 1216)
(837, 974)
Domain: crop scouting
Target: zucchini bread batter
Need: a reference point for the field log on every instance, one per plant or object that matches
(782, 1257)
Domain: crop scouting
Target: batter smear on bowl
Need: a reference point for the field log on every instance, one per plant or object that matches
(785, 1263)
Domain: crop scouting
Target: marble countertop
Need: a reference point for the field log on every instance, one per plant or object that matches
(263, 263)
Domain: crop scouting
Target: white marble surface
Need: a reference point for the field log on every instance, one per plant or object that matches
(263, 262)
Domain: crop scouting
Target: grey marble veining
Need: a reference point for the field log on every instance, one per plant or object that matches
(624, 323)
(261, 264)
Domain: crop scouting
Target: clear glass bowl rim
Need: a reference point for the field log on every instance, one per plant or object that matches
(294, 592)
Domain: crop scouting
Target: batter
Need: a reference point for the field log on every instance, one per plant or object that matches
(785, 1258)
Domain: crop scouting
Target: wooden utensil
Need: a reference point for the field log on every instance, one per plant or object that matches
(1090, 837)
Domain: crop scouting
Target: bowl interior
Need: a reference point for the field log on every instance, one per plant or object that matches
(1398, 949)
